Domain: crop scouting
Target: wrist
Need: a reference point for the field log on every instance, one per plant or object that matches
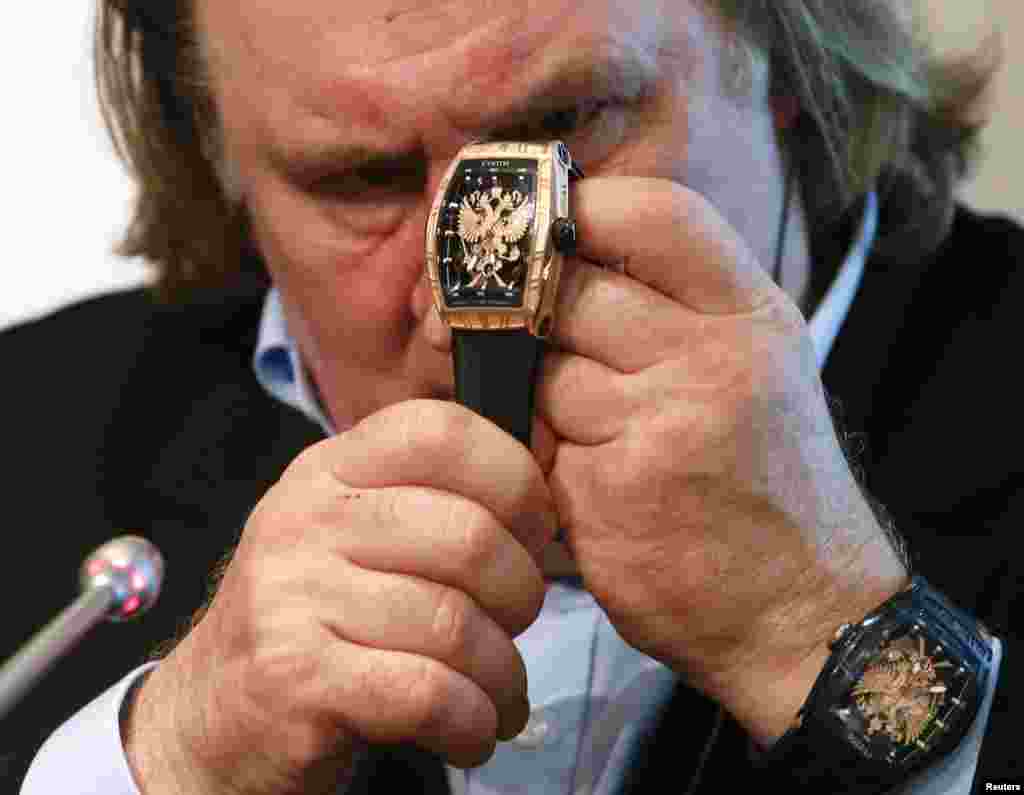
(766, 696)
(766, 705)
(151, 744)
(170, 746)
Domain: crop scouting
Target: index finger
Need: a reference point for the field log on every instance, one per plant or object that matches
(442, 445)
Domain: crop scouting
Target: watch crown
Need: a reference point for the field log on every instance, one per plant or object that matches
(838, 636)
(563, 233)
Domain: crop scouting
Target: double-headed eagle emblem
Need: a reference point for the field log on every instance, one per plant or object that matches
(491, 223)
(900, 693)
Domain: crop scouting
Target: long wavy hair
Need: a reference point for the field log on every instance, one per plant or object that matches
(878, 109)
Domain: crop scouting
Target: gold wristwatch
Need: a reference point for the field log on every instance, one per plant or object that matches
(496, 238)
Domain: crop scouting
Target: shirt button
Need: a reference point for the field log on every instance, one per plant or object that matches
(538, 727)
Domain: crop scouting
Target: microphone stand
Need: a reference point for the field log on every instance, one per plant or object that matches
(120, 581)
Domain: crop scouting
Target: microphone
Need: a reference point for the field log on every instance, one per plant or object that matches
(119, 581)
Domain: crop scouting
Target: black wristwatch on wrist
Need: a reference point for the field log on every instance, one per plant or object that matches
(899, 692)
(497, 234)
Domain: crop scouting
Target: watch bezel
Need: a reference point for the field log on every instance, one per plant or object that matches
(545, 261)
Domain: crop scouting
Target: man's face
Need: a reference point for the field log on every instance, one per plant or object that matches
(340, 118)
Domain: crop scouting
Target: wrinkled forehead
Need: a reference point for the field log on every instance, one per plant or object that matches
(438, 48)
(382, 32)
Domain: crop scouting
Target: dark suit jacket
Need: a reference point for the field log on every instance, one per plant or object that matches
(123, 415)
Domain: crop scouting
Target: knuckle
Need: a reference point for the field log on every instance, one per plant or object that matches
(427, 693)
(392, 506)
(451, 624)
(284, 517)
(270, 520)
(310, 461)
(475, 529)
(429, 427)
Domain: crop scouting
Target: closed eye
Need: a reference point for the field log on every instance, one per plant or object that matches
(399, 177)
(566, 121)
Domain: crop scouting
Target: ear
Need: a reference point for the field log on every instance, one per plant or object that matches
(785, 109)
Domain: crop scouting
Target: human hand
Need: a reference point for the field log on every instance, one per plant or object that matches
(696, 471)
(372, 599)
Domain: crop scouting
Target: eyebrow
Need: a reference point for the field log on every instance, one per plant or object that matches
(617, 74)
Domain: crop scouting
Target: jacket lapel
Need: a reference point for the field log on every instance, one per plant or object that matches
(192, 446)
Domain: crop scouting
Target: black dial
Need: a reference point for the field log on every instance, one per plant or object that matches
(485, 232)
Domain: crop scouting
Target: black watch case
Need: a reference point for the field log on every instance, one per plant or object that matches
(904, 685)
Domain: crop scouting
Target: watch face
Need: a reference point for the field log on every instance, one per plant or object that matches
(485, 232)
(909, 697)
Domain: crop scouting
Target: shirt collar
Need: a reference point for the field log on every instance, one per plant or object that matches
(279, 368)
(280, 371)
(830, 314)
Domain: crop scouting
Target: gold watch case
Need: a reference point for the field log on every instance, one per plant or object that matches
(489, 223)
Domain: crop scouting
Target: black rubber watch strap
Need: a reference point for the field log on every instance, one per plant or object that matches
(495, 372)
(818, 761)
